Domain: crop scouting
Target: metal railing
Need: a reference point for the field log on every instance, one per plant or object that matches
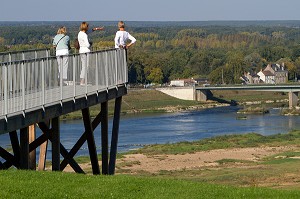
(24, 55)
(39, 82)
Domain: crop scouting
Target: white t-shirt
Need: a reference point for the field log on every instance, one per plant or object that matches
(83, 42)
(121, 38)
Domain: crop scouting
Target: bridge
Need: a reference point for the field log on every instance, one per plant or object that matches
(204, 93)
(33, 94)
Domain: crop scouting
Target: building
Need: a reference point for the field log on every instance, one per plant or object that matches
(183, 82)
(272, 74)
(250, 78)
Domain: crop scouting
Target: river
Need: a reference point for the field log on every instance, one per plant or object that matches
(143, 129)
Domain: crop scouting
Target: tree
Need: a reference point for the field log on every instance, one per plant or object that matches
(155, 76)
(235, 64)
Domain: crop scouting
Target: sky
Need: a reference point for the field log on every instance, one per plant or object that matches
(149, 10)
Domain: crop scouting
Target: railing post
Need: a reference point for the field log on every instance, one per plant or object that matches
(23, 86)
(106, 69)
(97, 73)
(125, 66)
(61, 77)
(75, 62)
(43, 84)
(5, 90)
(116, 66)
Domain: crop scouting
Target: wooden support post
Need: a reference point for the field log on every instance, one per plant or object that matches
(90, 140)
(44, 145)
(115, 135)
(24, 148)
(32, 154)
(55, 144)
(104, 137)
(15, 146)
(42, 156)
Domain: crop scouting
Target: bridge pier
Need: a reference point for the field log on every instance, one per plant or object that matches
(293, 99)
(201, 95)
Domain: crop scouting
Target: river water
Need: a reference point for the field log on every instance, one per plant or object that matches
(143, 129)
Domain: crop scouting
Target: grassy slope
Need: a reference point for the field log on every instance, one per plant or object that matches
(21, 184)
(223, 142)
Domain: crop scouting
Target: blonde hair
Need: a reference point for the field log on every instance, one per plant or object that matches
(121, 24)
(62, 30)
(84, 26)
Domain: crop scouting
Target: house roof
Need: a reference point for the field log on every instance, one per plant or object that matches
(277, 67)
(268, 73)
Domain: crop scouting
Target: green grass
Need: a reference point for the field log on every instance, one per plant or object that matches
(223, 142)
(31, 184)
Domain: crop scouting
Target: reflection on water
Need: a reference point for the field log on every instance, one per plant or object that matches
(138, 130)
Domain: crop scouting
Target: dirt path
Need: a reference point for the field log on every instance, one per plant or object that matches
(156, 163)
(135, 163)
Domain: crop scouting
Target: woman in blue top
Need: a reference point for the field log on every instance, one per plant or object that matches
(62, 44)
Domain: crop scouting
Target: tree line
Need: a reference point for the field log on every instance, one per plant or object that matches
(163, 53)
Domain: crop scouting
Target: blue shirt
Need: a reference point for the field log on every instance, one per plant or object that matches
(61, 41)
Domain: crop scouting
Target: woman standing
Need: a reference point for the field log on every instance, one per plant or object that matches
(84, 49)
(62, 44)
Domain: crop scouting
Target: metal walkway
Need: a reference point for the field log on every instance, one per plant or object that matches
(35, 92)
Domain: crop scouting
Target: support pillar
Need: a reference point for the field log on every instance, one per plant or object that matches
(104, 137)
(32, 154)
(15, 146)
(24, 148)
(115, 135)
(90, 140)
(55, 144)
(201, 95)
(293, 99)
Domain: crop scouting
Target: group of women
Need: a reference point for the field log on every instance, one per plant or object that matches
(61, 42)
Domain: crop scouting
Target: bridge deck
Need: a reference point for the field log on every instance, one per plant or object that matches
(69, 104)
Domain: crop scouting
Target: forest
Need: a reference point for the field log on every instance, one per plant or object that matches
(170, 50)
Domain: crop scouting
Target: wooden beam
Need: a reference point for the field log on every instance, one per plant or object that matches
(15, 146)
(24, 148)
(80, 142)
(42, 141)
(42, 156)
(90, 140)
(55, 144)
(9, 158)
(32, 154)
(104, 137)
(115, 135)
(67, 158)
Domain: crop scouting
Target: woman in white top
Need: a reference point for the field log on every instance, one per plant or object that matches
(122, 36)
(84, 49)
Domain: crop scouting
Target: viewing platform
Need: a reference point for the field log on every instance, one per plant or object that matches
(34, 94)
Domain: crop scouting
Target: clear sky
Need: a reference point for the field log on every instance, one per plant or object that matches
(148, 10)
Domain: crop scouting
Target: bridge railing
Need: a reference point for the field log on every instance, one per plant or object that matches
(37, 83)
(24, 55)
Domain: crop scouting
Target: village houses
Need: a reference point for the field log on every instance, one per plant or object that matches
(272, 74)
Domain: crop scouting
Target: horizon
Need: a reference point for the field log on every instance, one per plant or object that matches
(155, 10)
